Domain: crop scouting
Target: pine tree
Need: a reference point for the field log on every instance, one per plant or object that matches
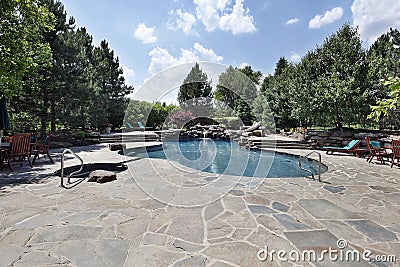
(280, 66)
(195, 93)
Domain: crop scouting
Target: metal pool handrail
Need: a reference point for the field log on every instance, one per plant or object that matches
(319, 164)
(62, 166)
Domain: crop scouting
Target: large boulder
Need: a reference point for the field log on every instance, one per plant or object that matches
(117, 147)
(102, 176)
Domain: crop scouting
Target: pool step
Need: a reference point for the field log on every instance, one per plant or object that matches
(279, 144)
(119, 138)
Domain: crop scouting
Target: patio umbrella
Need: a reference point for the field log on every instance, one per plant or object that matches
(4, 120)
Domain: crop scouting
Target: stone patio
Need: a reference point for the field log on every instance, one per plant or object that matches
(118, 224)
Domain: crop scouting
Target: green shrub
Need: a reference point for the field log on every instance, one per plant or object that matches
(230, 122)
(79, 134)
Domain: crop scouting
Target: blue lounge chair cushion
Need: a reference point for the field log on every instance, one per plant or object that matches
(375, 144)
(348, 147)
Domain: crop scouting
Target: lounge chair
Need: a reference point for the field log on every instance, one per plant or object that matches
(396, 153)
(142, 127)
(350, 148)
(375, 150)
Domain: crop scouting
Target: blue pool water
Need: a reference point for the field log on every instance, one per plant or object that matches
(224, 157)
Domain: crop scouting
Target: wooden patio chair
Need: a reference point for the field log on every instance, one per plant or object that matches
(20, 149)
(396, 153)
(41, 148)
(375, 150)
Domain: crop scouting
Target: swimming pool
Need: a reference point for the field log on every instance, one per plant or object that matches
(224, 157)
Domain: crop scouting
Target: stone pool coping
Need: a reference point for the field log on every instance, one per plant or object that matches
(117, 224)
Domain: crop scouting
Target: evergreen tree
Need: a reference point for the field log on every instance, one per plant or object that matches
(244, 111)
(253, 75)
(237, 91)
(266, 84)
(108, 102)
(196, 91)
(343, 80)
(280, 66)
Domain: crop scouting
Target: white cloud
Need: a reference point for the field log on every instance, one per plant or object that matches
(162, 59)
(244, 64)
(265, 6)
(185, 22)
(292, 21)
(375, 17)
(145, 34)
(329, 17)
(220, 14)
(295, 57)
(207, 54)
(128, 73)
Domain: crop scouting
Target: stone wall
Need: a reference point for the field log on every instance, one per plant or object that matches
(340, 138)
(207, 131)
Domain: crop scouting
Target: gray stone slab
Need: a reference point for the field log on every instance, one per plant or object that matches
(260, 209)
(324, 209)
(151, 204)
(188, 226)
(221, 264)
(213, 210)
(291, 223)
(16, 237)
(65, 233)
(9, 253)
(154, 239)
(318, 241)
(373, 230)
(280, 206)
(236, 192)
(234, 204)
(218, 228)
(151, 256)
(384, 189)
(107, 252)
(310, 239)
(195, 260)
(242, 219)
(40, 258)
(134, 227)
(186, 246)
(239, 253)
(81, 216)
(334, 189)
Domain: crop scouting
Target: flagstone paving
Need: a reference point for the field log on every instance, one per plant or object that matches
(118, 224)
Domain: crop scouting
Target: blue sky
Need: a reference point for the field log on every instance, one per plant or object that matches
(149, 36)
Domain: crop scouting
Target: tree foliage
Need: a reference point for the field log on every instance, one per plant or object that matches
(334, 84)
(196, 90)
(23, 50)
(384, 107)
(237, 91)
(53, 74)
(155, 115)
